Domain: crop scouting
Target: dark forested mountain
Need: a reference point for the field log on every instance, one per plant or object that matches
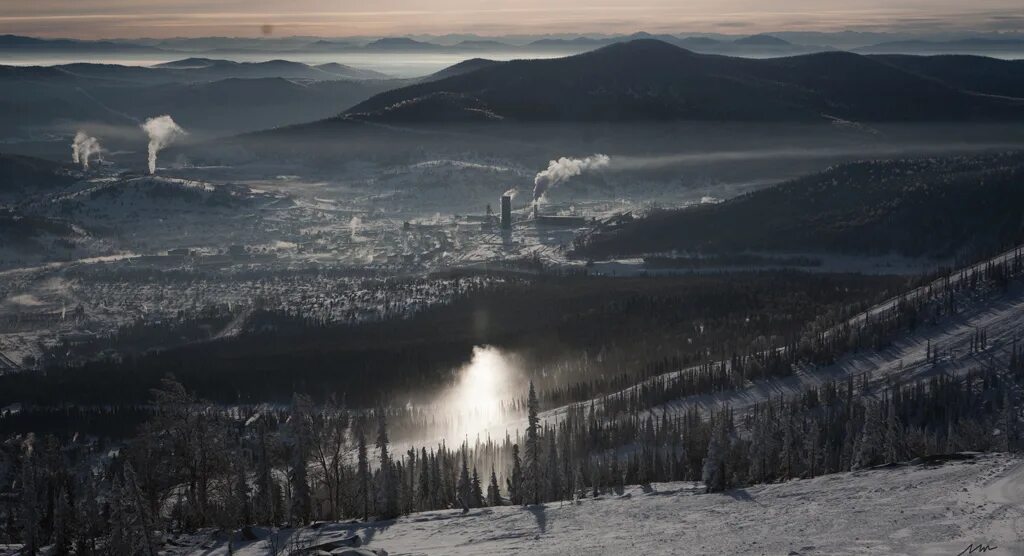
(24, 236)
(466, 66)
(21, 173)
(231, 105)
(647, 80)
(913, 207)
(969, 73)
(760, 45)
(208, 95)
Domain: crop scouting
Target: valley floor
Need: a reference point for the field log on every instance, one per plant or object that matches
(915, 509)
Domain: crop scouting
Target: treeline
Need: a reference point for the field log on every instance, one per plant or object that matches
(194, 465)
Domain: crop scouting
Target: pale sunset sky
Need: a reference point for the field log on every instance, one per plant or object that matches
(184, 18)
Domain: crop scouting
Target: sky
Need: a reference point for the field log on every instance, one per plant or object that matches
(93, 19)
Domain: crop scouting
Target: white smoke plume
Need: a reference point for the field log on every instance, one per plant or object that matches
(563, 169)
(162, 131)
(511, 193)
(83, 148)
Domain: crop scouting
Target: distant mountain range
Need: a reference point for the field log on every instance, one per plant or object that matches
(204, 95)
(991, 47)
(775, 44)
(639, 81)
(10, 44)
(651, 80)
(755, 44)
(214, 96)
(192, 70)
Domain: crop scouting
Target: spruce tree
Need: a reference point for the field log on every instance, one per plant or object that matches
(240, 493)
(62, 523)
(363, 491)
(301, 503)
(423, 494)
(140, 523)
(532, 476)
(493, 492)
(713, 474)
(1009, 421)
(554, 483)
(869, 442)
(476, 494)
(266, 509)
(893, 435)
(463, 488)
(387, 487)
(437, 482)
(515, 479)
(617, 478)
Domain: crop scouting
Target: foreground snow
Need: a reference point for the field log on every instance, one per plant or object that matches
(915, 509)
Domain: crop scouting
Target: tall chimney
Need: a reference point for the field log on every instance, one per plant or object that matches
(506, 212)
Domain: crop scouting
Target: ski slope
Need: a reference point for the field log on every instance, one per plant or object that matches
(914, 509)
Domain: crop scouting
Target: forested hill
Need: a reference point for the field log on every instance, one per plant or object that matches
(920, 207)
(18, 173)
(648, 80)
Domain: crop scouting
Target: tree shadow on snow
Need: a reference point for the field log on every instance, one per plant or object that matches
(370, 529)
(740, 494)
(540, 514)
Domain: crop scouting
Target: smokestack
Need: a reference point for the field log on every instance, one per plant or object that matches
(506, 212)
(162, 131)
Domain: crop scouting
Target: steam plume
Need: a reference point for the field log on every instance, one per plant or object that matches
(563, 169)
(162, 131)
(511, 193)
(83, 148)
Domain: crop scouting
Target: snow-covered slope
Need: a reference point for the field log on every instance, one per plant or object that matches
(917, 509)
(1002, 317)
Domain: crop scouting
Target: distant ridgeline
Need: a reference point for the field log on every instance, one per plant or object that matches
(943, 207)
(651, 80)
